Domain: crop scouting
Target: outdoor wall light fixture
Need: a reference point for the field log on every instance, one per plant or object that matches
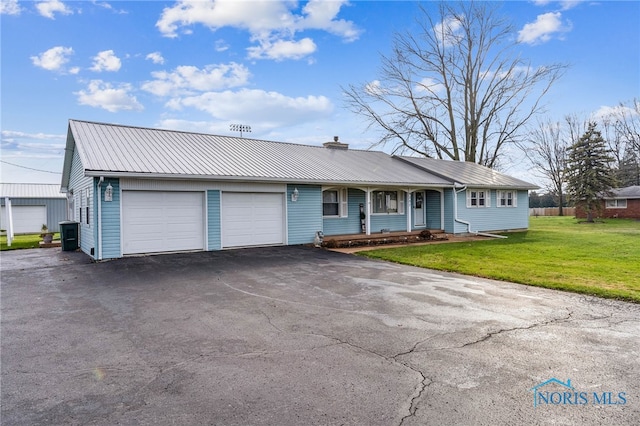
(108, 193)
(294, 195)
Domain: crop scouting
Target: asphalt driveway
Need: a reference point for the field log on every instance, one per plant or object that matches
(302, 336)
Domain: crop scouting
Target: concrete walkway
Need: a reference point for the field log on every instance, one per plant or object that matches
(302, 336)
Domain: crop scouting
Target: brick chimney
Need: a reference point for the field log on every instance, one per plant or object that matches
(335, 144)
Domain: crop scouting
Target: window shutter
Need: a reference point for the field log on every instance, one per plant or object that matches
(400, 202)
(487, 195)
(344, 202)
(515, 198)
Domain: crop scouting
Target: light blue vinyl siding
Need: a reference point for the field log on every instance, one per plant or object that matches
(349, 224)
(111, 220)
(393, 222)
(493, 218)
(80, 184)
(213, 220)
(304, 217)
(449, 225)
(433, 209)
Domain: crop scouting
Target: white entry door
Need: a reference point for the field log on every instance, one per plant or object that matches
(418, 208)
(161, 221)
(252, 219)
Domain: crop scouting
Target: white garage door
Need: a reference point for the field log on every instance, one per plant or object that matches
(252, 219)
(26, 219)
(155, 221)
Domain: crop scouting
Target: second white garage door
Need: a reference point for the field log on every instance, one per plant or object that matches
(156, 221)
(252, 219)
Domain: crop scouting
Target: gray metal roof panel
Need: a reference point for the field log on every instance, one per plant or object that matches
(628, 192)
(470, 174)
(133, 150)
(30, 190)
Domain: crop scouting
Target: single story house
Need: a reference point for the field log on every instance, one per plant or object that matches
(623, 203)
(30, 205)
(140, 190)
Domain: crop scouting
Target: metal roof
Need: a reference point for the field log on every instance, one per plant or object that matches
(115, 150)
(30, 190)
(628, 192)
(466, 173)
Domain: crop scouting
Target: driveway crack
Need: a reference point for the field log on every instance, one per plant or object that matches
(491, 334)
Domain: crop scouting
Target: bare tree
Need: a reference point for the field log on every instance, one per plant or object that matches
(457, 89)
(546, 149)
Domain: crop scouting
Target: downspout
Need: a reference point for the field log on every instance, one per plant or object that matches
(99, 199)
(464, 222)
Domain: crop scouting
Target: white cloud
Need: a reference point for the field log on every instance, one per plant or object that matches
(282, 49)
(189, 79)
(108, 6)
(429, 85)
(106, 61)
(374, 88)
(545, 26)
(10, 7)
(221, 46)
(50, 7)
(564, 4)
(272, 24)
(100, 94)
(155, 57)
(448, 31)
(53, 59)
(608, 113)
(257, 107)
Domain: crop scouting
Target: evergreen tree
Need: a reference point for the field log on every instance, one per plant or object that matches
(589, 172)
(628, 172)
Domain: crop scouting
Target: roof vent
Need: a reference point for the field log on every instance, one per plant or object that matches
(335, 144)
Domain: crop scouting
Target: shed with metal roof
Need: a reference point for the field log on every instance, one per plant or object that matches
(28, 206)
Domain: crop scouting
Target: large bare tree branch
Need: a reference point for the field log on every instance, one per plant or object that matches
(456, 88)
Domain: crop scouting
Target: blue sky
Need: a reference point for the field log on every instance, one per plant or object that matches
(277, 66)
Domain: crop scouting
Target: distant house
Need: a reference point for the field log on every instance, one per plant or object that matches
(32, 205)
(140, 190)
(623, 203)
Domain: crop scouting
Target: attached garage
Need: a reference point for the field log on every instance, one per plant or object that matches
(252, 219)
(162, 221)
(26, 219)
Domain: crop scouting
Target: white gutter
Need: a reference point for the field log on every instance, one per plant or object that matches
(99, 242)
(464, 222)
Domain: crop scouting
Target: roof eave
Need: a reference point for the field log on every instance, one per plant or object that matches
(142, 175)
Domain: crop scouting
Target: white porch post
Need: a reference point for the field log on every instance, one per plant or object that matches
(442, 209)
(408, 210)
(9, 213)
(368, 211)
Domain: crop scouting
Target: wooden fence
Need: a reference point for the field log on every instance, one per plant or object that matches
(552, 211)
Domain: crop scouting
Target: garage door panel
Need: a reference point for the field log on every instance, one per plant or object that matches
(156, 221)
(26, 219)
(251, 219)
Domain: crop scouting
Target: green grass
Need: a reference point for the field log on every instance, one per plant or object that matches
(601, 259)
(23, 241)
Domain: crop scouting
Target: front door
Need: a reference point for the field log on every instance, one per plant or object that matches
(418, 208)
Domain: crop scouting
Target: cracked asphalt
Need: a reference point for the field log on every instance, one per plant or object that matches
(302, 336)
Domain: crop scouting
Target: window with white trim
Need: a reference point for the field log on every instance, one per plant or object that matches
(335, 202)
(390, 202)
(478, 198)
(616, 203)
(507, 199)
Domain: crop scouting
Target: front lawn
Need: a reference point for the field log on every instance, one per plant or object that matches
(602, 259)
(23, 241)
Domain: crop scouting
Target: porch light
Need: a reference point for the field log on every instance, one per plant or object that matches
(294, 195)
(108, 193)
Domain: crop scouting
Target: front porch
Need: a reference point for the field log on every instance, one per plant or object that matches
(383, 238)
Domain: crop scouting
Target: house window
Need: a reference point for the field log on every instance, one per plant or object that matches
(616, 204)
(388, 202)
(507, 199)
(87, 207)
(478, 198)
(335, 203)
